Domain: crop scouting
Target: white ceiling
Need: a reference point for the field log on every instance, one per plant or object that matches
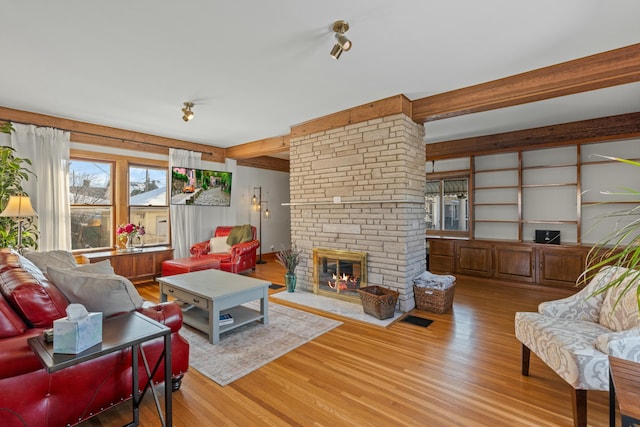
(254, 68)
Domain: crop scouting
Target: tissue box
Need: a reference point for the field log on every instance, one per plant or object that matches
(75, 336)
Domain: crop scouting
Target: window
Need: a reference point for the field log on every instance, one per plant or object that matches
(91, 200)
(446, 204)
(148, 202)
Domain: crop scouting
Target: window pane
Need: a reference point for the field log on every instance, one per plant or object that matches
(89, 183)
(147, 186)
(90, 227)
(455, 204)
(432, 205)
(155, 222)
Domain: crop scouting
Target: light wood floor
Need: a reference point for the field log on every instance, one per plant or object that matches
(463, 370)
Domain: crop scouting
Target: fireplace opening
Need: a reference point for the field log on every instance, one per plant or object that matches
(339, 273)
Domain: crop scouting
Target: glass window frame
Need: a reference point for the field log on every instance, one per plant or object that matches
(156, 207)
(440, 215)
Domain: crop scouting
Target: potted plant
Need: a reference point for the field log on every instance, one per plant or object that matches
(621, 248)
(290, 258)
(12, 173)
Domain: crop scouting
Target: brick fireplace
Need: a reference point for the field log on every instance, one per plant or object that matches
(360, 188)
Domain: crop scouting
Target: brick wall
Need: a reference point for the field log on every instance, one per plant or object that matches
(377, 170)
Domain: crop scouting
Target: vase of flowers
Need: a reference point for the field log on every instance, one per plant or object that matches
(290, 258)
(127, 232)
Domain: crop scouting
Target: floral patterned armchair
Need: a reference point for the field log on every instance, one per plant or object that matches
(574, 336)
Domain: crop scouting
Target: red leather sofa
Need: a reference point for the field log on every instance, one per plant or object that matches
(29, 396)
(241, 258)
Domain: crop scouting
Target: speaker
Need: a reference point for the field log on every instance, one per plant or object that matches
(551, 237)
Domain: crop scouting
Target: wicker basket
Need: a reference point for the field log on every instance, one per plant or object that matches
(434, 299)
(378, 301)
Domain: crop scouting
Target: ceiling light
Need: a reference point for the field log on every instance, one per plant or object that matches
(343, 44)
(186, 111)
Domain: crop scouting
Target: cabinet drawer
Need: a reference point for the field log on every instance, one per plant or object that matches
(186, 297)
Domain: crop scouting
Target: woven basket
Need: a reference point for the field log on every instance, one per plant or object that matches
(433, 299)
(378, 301)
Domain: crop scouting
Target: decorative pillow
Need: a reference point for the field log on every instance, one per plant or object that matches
(101, 267)
(619, 309)
(60, 259)
(218, 245)
(108, 293)
(240, 234)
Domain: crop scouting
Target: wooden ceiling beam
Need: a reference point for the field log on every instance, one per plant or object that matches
(262, 147)
(385, 107)
(266, 162)
(103, 135)
(611, 68)
(624, 126)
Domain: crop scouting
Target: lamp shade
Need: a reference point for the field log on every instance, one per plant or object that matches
(18, 207)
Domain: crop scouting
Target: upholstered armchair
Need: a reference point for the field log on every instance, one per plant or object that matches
(235, 259)
(574, 336)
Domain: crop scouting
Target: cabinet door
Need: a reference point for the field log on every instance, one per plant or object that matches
(560, 266)
(473, 258)
(515, 263)
(144, 265)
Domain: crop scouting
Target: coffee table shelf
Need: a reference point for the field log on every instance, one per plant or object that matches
(199, 318)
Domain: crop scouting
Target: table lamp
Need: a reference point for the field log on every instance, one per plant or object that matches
(19, 207)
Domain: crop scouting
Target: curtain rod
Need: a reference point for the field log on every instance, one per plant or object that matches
(101, 136)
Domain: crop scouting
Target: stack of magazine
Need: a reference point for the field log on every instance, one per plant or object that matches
(225, 319)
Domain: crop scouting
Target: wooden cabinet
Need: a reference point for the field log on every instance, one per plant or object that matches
(473, 258)
(560, 266)
(515, 262)
(522, 262)
(138, 266)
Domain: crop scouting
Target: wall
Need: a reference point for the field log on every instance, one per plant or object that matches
(376, 169)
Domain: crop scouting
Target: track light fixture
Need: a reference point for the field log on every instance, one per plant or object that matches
(343, 43)
(186, 111)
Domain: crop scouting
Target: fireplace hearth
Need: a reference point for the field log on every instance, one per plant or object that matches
(339, 273)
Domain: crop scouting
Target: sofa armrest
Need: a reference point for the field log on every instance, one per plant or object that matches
(622, 344)
(244, 248)
(167, 313)
(200, 249)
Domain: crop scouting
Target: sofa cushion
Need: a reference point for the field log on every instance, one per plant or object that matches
(10, 323)
(620, 305)
(218, 245)
(566, 346)
(60, 259)
(240, 234)
(108, 293)
(37, 302)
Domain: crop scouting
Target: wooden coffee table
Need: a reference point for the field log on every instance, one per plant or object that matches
(209, 293)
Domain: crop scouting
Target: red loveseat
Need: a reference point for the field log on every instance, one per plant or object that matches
(242, 256)
(29, 396)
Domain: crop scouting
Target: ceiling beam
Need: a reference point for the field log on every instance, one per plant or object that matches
(385, 107)
(624, 126)
(262, 147)
(611, 68)
(265, 162)
(107, 136)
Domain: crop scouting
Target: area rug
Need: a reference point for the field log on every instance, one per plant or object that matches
(334, 306)
(252, 346)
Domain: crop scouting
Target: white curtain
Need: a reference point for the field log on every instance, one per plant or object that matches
(48, 150)
(185, 220)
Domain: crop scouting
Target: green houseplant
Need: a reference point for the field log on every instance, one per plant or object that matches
(13, 171)
(290, 258)
(621, 248)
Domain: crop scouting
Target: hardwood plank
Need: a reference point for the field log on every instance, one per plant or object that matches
(464, 369)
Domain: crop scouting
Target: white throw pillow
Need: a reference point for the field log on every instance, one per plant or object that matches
(107, 293)
(218, 245)
(101, 267)
(60, 259)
